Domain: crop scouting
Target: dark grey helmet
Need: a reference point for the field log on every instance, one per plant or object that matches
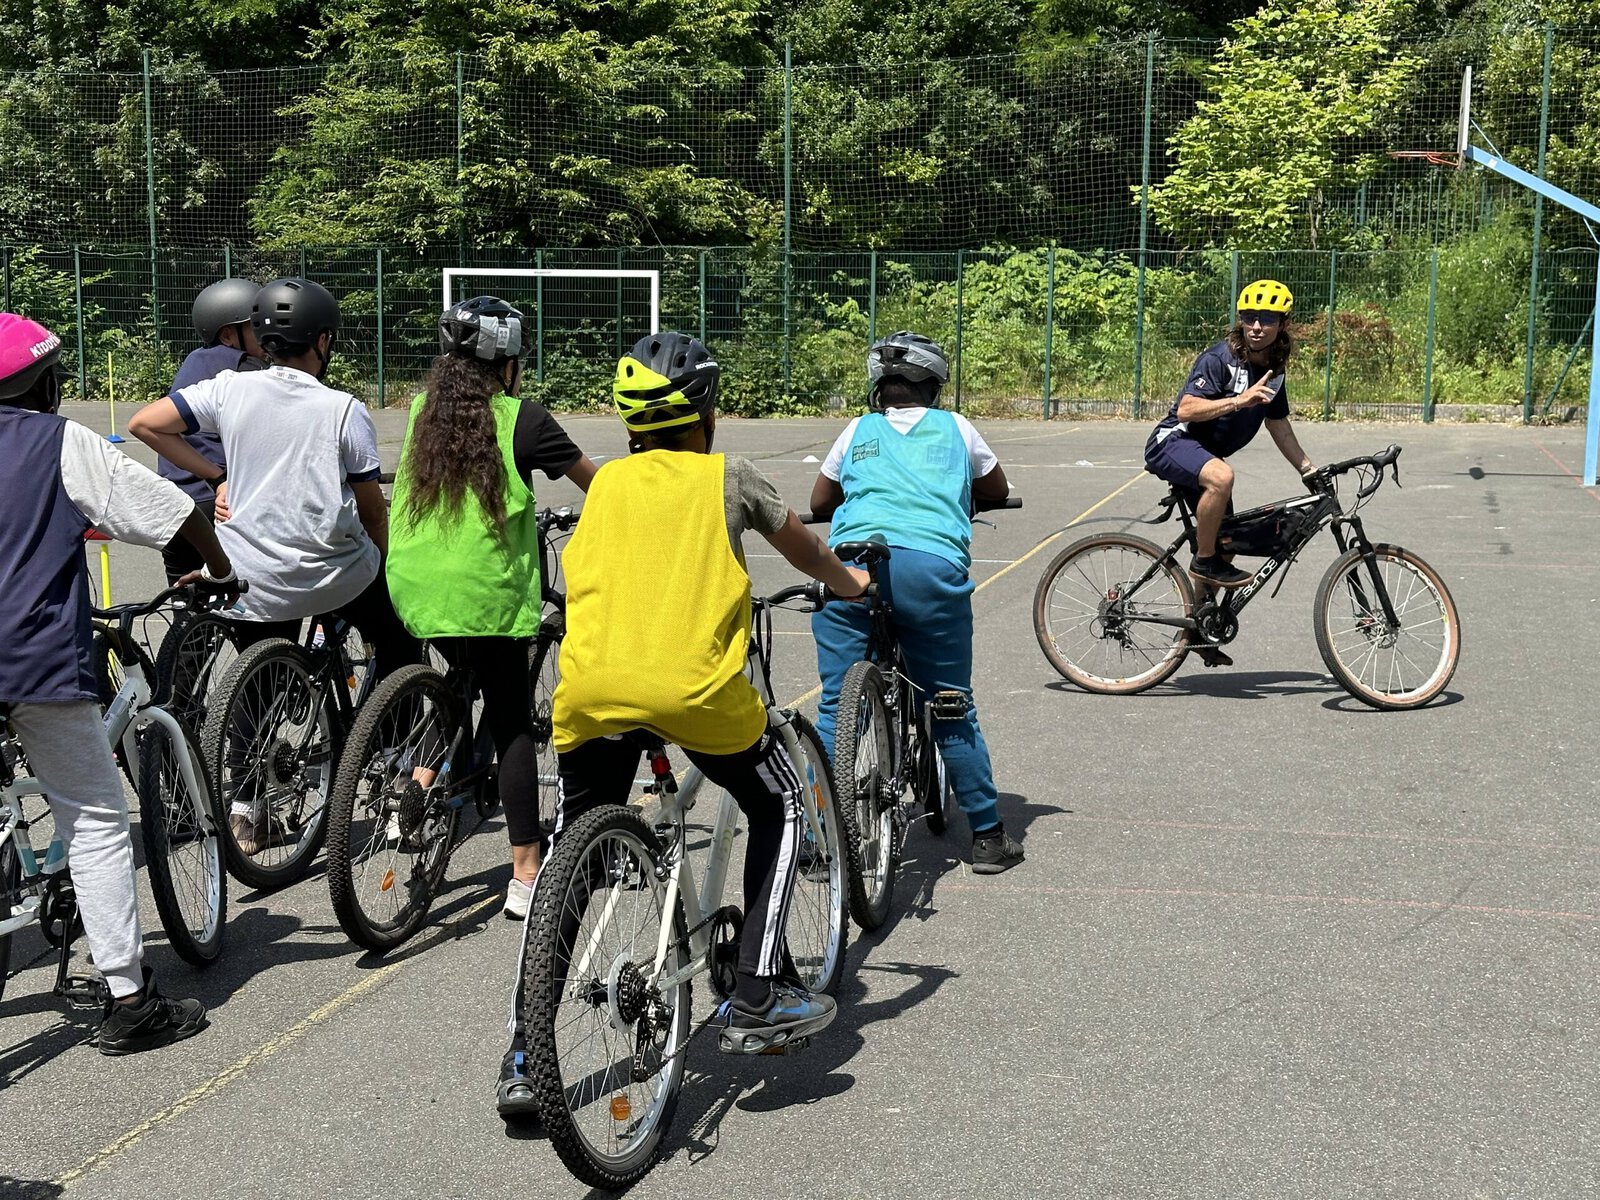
(223, 303)
(484, 328)
(909, 356)
(289, 314)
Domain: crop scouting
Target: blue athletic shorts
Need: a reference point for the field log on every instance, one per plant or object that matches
(1178, 460)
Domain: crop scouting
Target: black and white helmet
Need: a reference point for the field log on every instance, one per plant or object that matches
(484, 328)
(909, 356)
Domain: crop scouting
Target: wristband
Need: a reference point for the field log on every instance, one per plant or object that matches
(217, 481)
(231, 577)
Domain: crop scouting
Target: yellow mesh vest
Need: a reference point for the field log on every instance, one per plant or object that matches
(658, 611)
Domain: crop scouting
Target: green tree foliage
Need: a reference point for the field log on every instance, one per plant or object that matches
(1295, 97)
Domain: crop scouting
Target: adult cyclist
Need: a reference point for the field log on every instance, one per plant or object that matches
(60, 480)
(463, 563)
(1236, 386)
(909, 472)
(307, 517)
(658, 629)
(221, 317)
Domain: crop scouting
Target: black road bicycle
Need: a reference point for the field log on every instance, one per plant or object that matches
(1117, 614)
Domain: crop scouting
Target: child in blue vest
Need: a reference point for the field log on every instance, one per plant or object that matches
(908, 472)
(60, 480)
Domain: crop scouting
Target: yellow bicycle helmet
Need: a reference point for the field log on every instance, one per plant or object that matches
(1266, 295)
(667, 381)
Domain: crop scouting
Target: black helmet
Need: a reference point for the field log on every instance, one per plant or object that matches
(289, 314)
(667, 381)
(909, 356)
(223, 303)
(485, 329)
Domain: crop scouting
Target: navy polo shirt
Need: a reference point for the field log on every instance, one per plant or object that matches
(205, 363)
(1217, 375)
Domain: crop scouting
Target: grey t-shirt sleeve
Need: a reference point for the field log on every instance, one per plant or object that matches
(121, 498)
(749, 499)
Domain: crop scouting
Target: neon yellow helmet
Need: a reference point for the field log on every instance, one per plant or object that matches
(1266, 295)
(667, 381)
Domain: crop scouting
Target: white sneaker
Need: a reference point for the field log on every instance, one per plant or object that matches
(518, 896)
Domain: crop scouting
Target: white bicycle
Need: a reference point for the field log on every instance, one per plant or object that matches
(176, 821)
(618, 928)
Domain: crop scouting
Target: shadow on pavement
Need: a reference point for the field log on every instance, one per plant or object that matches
(1346, 703)
(28, 1189)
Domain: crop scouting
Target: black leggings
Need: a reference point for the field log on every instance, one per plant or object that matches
(372, 613)
(499, 667)
(766, 787)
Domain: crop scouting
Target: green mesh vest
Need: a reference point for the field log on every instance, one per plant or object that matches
(451, 577)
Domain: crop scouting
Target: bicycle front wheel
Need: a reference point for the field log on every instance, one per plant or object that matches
(1095, 619)
(272, 740)
(392, 822)
(606, 1012)
(818, 931)
(195, 656)
(1396, 664)
(182, 850)
(863, 765)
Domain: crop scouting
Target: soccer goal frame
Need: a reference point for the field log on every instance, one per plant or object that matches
(617, 273)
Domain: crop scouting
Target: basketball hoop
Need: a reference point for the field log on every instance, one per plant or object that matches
(1437, 158)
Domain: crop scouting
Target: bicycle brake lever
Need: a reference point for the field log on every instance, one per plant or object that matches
(1395, 467)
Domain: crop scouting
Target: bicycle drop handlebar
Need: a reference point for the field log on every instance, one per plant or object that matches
(1386, 459)
(200, 593)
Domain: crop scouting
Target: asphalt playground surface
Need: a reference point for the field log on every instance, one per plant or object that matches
(1267, 942)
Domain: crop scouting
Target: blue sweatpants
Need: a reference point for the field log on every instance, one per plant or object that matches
(932, 602)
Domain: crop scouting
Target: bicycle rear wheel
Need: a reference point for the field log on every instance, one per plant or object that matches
(182, 850)
(272, 741)
(863, 761)
(1093, 623)
(933, 781)
(195, 657)
(392, 821)
(595, 1011)
(818, 931)
(1390, 666)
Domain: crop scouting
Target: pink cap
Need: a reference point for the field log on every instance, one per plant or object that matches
(27, 349)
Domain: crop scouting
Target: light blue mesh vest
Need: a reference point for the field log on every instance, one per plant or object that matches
(915, 489)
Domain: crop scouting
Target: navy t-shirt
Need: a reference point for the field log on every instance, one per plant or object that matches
(202, 364)
(1217, 375)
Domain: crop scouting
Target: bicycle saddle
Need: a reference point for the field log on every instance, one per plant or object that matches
(873, 551)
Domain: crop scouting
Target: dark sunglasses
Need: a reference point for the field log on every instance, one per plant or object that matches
(1268, 319)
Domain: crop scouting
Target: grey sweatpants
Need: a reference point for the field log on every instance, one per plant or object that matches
(67, 751)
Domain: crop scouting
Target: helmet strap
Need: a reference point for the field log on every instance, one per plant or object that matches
(324, 353)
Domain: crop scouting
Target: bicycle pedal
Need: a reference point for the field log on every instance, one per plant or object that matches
(949, 705)
(792, 1047)
(85, 992)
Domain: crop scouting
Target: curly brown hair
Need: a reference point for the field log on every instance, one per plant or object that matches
(454, 444)
(1277, 353)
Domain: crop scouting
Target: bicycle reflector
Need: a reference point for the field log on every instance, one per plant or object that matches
(621, 1107)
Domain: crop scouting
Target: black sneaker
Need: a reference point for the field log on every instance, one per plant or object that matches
(792, 1015)
(150, 1021)
(1217, 573)
(514, 1096)
(993, 852)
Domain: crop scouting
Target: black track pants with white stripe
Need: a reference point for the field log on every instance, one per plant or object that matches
(765, 785)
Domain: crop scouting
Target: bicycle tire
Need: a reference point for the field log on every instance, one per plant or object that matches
(1088, 592)
(934, 781)
(609, 847)
(817, 944)
(10, 892)
(369, 828)
(182, 849)
(544, 672)
(1364, 639)
(194, 659)
(274, 679)
(863, 729)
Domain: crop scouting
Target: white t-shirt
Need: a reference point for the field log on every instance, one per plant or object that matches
(121, 498)
(293, 449)
(904, 419)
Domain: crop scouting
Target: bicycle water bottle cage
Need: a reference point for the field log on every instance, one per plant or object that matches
(949, 705)
(866, 553)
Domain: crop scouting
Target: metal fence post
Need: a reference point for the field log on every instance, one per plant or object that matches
(461, 95)
(538, 318)
(961, 275)
(381, 392)
(702, 297)
(1233, 280)
(77, 296)
(620, 346)
(1049, 325)
(1144, 228)
(1327, 374)
(1538, 228)
(227, 262)
(788, 209)
(150, 209)
(872, 298)
(1427, 351)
